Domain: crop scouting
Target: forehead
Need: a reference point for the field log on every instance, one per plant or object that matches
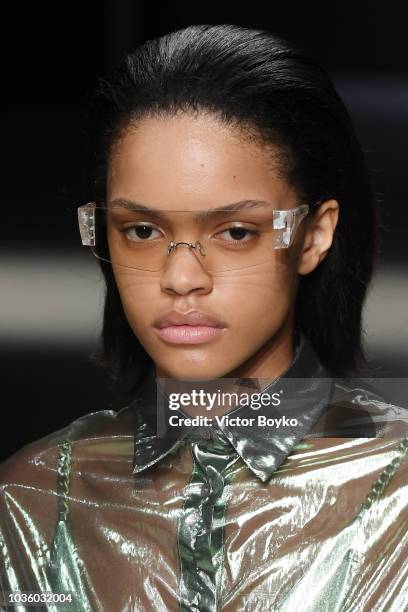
(193, 163)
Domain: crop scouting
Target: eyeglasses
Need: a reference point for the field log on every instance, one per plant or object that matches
(145, 239)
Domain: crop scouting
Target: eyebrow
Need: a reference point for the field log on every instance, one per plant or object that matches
(197, 215)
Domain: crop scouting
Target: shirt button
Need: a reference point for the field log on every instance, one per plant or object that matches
(205, 490)
(202, 433)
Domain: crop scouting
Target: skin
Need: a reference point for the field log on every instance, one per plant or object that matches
(192, 163)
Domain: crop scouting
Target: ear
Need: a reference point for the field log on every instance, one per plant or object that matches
(318, 236)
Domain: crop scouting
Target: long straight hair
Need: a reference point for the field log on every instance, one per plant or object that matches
(253, 79)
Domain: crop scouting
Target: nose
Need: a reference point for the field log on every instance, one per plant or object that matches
(183, 272)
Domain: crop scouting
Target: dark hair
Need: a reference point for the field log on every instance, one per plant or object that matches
(256, 80)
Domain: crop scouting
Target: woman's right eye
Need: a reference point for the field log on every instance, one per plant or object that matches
(140, 233)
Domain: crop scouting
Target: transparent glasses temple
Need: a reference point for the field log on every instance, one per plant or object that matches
(86, 220)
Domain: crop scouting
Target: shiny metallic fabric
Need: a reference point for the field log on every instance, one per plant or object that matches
(230, 519)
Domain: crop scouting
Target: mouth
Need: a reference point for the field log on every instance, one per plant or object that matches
(188, 334)
(194, 327)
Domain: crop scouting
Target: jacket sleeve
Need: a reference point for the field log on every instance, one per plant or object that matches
(28, 512)
(380, 581)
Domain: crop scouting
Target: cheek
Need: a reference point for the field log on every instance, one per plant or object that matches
(139, 297)
(256, 303)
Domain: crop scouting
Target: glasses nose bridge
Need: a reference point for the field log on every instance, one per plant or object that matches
(197, 246)
(198, 250)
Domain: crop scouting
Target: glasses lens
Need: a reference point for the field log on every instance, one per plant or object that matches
(221, 240)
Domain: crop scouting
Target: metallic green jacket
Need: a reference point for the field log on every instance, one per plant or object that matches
(231, 518)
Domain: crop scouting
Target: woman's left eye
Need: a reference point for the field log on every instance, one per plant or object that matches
(237, 234)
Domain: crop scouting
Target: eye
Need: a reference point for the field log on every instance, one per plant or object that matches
(142, 232)
(234, 235)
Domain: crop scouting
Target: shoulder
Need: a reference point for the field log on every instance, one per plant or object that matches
(363, 407)
(36, 463)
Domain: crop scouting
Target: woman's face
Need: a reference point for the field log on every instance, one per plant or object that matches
(193, 163)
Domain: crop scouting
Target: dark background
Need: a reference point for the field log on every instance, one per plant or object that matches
(51, 290)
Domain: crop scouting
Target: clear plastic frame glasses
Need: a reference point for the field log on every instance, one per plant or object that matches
(141, 238)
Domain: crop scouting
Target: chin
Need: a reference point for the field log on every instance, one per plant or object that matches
(192, 371)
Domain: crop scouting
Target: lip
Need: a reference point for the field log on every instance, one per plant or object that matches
(193, 327)
(192, 317)
(188, 334)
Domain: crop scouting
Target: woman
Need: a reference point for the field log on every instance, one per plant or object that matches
(233, 219)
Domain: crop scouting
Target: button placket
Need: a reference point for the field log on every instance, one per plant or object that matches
(200, 527)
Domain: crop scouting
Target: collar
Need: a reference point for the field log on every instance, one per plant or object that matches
(304, 388)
